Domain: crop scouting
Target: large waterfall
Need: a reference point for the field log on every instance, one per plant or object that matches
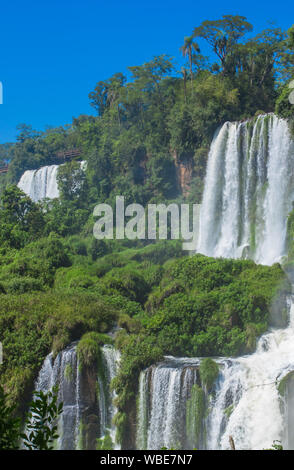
(249, 190)
(40, 184)
(245, 402)
(88, 408)
(248, 194)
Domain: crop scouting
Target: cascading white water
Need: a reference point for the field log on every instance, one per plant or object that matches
(111, 358)
(64, 371)
(164, 391)
(247, 404)
(249, 190)
(40, 184)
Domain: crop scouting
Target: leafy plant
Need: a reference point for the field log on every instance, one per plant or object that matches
(9, 425)
(41, 428)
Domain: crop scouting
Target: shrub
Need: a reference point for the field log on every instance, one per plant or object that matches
(208, 371)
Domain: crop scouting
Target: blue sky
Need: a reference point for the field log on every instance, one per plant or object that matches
(53, 53)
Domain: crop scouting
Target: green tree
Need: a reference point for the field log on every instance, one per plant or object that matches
(188, 49)
(21, 219)
(72, 182)
(222, 35)
(106, 93)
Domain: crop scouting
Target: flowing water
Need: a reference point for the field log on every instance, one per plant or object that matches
(245, 404)
(249, 191)
(111, 357)
(79, 401)
(164, 390)
(40, 184)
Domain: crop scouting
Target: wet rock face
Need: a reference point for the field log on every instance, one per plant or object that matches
(184, 172)
(290, 410)
(279, 309)
(85, 393)
(89, 408)
(286, 390)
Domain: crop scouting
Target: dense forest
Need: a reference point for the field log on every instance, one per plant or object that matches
(148, 140)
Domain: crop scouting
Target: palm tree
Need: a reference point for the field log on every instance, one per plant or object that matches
(184, 72)
(187, 50)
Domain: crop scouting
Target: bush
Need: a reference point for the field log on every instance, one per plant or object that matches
(88, 349)
(208, 371)
(22, 285)
(98, 248)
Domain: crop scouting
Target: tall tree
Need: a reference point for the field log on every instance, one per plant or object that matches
(106, 93)
(188, 48)
(223, 35)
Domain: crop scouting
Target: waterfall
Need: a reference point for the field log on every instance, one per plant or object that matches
(63, 371)
(40, 184)
(249, 190)
(85, 416)
(245, 403)
(164, 391)
(111, 358)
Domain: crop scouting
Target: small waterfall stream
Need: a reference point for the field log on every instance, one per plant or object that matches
(40, 184)
(79, 397)
(164, 390)
(111, 358)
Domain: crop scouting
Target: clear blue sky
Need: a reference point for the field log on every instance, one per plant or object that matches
(53, 52)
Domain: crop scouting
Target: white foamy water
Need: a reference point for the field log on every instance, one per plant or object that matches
(249, 190)
(246, 403)
(64, 372)
(40, 184)
(249, 387)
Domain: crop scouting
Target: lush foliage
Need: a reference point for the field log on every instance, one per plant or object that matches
(162, 117)
(58, 284)
(40, 429)
(41, 423)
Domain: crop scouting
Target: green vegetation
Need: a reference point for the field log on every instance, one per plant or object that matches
(104, 443)
(58, 284)
(195, 411)
(9, 425)
(88, 349)
(40, 430)
(208, 372)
